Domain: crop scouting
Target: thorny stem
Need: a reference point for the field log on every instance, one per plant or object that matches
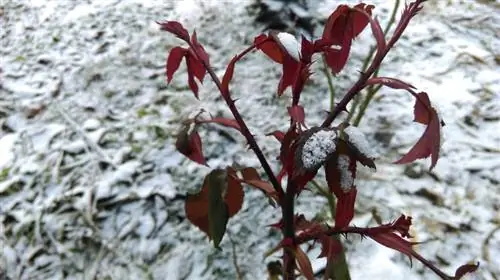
(287, 209)
(413, 8)
(237, 116)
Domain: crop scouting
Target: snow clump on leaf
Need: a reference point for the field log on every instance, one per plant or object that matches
(358, 139)
(318, 147)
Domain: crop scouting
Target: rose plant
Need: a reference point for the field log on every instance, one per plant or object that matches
(338, 149)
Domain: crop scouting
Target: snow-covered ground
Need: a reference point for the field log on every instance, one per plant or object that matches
(91, 186)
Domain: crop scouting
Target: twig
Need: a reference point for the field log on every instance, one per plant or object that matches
(235, 257)
(237, 116)
(76, 128)
(411, 11)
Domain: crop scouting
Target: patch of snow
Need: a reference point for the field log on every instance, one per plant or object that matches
(358, 139)
(6, 149)
(318, 147)
(346, 179)
(291, 45)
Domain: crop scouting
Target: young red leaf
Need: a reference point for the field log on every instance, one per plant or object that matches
(345, 208)
(199, 50)
(343, 25)
(251, 177)
(175, 28)
(279, 135)
(392, 235)
(174, 60)
(269, 47)
(464, 269)
(337, 59)
(359, 20)
(297, 114)
(422, 108)
(228, 76)
(430, 142)
(390, 82)
(291, 71)
(306, 50)
(378, 34)
(304, 263)
(222, 121)
(189, 144)
(195, 69)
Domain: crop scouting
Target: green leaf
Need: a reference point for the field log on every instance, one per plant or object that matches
(218, 214)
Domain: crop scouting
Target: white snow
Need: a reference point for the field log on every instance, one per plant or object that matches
(318, 147)
(291, 45)
(106, 62)
(346, 179)
(358, 139)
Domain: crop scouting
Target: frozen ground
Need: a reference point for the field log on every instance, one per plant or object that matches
(91, 188)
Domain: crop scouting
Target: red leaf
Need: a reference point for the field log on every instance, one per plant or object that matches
(304, 264)
(228, 76)
(422, 108)
(291, 71)
(175, 28)
(189, 144)
(220, 197)
(279, 135)
(343, 25)
(386, 235)
(251, 177)
(195, 69)
(429, 143)
(345, 208)
(222, 121)
(173, 61)
(306, 50)
(378, 34)
(199, 50)
(196, 208)
(359, 19)
(394, 241)
(330, 247)
(337, 59)
(297, 114)
(464, 269)
(390, 82)
(269, 47)
(234, 193)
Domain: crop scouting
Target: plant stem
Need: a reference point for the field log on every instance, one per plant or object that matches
(410, 11)
(371, 93)
(243, 127)
(287, 208)
(340, 268)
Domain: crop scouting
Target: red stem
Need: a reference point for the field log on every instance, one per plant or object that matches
(412, 9)
(243, 127)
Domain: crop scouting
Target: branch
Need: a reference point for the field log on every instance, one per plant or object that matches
(410, 11)
(237, 116)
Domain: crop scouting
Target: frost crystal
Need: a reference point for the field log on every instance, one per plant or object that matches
(358, 139)
(291, 45)
(318, 147)
(346, 179)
